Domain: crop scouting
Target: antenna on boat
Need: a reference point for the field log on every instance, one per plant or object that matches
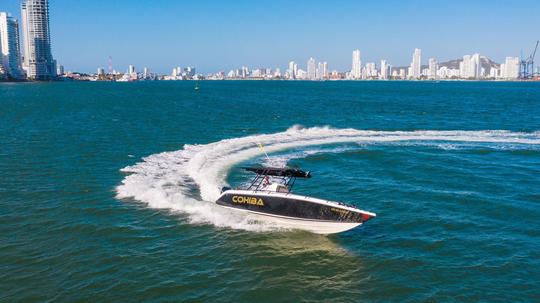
(264, 151)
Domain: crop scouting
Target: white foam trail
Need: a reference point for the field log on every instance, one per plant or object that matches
(171, 179)
(282, 160)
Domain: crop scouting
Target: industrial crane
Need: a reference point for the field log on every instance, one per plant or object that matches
(526, 66)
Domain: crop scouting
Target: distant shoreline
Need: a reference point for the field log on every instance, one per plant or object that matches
(278, 80)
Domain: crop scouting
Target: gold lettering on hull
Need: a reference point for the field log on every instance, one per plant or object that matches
(247, 200)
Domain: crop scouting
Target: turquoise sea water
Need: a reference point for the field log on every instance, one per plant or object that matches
(103, 189)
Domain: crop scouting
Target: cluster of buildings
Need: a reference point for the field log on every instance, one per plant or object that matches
(469, 67)
(178, 73)
(33, 61)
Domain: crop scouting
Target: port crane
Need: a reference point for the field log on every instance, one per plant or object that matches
(526, 66)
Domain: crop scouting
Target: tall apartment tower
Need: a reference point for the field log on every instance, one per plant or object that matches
(311, 69)
(10, 52)
(433, 67)
(415, 69)
(384, 70)
(292, 70)
(356, 68)
(38, 60)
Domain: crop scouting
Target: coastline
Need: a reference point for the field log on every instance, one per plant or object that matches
(280, 80)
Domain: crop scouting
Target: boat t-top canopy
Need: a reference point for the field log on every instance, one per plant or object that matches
(279, 172)
(285, 174)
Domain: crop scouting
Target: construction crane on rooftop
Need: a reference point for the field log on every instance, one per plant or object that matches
(526, 66)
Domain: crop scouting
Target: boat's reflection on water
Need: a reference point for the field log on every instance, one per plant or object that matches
(287, 242)
(314, 263)
(299, 242)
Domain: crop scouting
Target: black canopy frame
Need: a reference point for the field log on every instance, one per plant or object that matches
(286, 175)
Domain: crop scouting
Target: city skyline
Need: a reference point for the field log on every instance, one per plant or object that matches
(38, 63)
(257, 35)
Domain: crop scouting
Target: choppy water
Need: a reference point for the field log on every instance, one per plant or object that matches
(103, 189)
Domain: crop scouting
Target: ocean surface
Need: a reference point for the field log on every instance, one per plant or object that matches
(106, 191)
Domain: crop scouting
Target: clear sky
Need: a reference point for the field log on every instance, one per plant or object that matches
(220, 35)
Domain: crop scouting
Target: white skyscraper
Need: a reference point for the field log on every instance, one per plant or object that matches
(319, 73)
(415, 69)
(59, 70)
(464, 67)
(325, 70)
(470, 67)
(356, 68)
(245, 72)
(38, 59)
(384, 70)
(510, 68)
(146, 73)
(190, 71)
(9, 46)
(311, 69)
(131, 70)
(433, 66)
(292, 70)
(371, 70)
(476, 66)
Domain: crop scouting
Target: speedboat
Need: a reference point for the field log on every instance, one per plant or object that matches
(269, 197)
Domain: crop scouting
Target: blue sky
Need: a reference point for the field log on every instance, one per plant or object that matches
(220, 35)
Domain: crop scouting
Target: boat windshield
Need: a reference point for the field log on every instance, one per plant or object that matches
(276, 187)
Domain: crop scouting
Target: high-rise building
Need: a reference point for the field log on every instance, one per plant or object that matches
(59, 69)
(191, 71)
(433, 66)
(325, 70)
(10, 51)
(356, 68)
(131, 70)
(464, 66)
(146, 73)
(38, 59)
(292, 70)
(470, 66)
(311, 69)
(510, 68)
(245, 72)
(476, 66)
(371, 70)
(384, 70)
(415, 69)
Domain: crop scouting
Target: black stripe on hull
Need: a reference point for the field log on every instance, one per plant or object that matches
(290, 207)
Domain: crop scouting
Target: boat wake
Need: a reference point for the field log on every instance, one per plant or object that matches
(186, 179)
